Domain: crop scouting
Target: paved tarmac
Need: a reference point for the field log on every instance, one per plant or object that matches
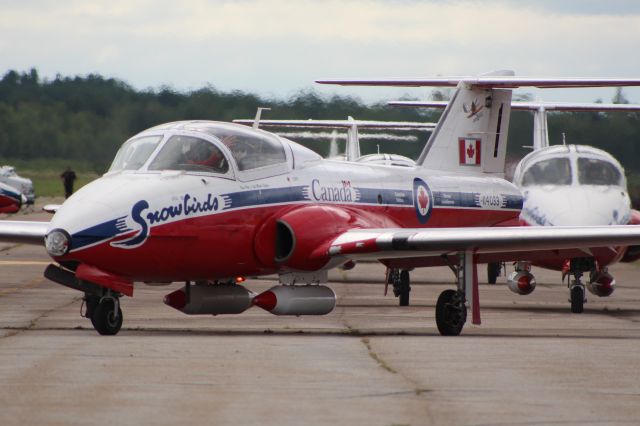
(369, 362)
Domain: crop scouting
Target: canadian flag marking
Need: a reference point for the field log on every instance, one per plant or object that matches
(469, 151)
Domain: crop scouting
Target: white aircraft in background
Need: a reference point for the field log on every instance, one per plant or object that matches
(15, 191)
(565, 185)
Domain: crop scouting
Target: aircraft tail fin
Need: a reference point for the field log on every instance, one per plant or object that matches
(471, 136)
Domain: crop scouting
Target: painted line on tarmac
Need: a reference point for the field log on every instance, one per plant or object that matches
(23, 262)
(33, 283)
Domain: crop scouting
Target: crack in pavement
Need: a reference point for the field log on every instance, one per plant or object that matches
(14, 331)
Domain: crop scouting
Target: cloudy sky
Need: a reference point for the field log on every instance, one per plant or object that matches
(277, 47)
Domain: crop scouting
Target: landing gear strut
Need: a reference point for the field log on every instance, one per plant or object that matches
(104, 312)
(401, 285)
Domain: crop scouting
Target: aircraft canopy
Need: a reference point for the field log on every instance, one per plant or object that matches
(199, 146)
(559, 171)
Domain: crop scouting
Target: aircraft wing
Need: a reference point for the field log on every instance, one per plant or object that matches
(504, 242)
(506, 82)
(532, 106)
(26, 232)
(331, 124)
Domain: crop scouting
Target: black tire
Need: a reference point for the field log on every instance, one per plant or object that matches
(493, 272)
(104, 319)
(577, 299)
(405, 288)
(451, 313)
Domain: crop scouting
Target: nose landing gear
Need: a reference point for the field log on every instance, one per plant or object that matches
(577, 294)
(577, 297)
(104, 312)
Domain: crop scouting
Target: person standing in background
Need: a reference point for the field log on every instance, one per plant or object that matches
(68, 177)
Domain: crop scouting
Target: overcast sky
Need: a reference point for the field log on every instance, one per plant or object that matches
(277, 47)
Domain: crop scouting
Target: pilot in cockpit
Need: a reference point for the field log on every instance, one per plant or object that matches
(239, 149)
(205, 154)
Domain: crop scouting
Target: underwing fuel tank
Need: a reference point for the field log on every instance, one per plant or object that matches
(297, 300)
(211, 299)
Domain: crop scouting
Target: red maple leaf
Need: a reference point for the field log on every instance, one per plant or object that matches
(423, 199)
(470, 151)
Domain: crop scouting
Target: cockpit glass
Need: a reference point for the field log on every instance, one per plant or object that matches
(554, 171)
(134, 153)
(250, 149)
(189, 153)
(592, 171)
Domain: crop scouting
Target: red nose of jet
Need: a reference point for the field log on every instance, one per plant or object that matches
(176, 300)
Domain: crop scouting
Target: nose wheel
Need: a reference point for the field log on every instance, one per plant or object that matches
(105, 314)
(576, 287)
(577, 298)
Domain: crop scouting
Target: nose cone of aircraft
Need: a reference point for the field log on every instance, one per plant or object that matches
(104, 209)
(575, 206)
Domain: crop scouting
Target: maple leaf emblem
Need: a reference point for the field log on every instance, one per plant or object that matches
(423, 199)
(471, 151)
(472, 110)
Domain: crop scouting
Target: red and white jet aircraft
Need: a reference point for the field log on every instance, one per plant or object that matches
(205, 202)
(10, 199)
(566, 185)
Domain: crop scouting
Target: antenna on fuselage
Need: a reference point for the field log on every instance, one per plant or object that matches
(256, 121)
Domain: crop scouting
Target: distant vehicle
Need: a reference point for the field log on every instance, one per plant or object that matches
(9, 177)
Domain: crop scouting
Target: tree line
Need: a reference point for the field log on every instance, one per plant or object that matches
(87, 118)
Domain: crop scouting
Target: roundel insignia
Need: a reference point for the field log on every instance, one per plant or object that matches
(422, 200)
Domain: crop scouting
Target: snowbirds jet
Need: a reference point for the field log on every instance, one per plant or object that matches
(206, 202)
(565, 185)
(11, 199)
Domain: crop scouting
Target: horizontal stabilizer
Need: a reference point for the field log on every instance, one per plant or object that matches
(502, 82)
(346, 124)
(532, 106)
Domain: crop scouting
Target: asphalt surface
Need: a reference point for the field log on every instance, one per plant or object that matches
(369, 362)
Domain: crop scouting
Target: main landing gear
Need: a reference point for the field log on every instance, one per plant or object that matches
(451, 312)
(401, 282)
(451, 307)
(104, 312)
